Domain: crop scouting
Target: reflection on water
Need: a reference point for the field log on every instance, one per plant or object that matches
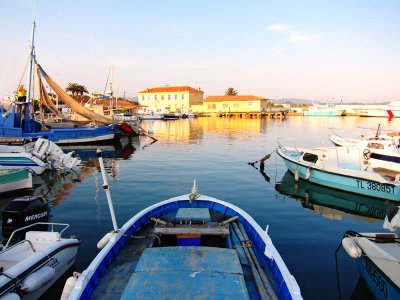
(216, 151)
(330, 203)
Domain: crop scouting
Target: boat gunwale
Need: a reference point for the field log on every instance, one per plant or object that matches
(372, 176)
(270, 251)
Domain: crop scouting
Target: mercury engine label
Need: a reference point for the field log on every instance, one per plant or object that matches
(36, 216)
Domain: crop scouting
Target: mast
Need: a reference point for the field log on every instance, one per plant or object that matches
(31, 59)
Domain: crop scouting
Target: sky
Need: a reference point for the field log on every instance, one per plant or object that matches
(328, 51)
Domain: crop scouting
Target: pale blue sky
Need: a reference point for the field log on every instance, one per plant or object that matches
(319, 50)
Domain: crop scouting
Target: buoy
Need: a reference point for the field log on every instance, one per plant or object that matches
(150, 130)
(69, 285)
(38, 279)
(296, 175)
(351, 247)
(105, 240)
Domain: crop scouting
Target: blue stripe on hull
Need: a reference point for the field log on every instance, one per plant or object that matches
(379, 284)
(347, 183)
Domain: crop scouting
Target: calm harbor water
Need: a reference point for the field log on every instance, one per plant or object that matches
(306, 223)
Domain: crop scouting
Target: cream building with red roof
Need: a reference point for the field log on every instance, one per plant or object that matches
(171, 98)
(238, 103)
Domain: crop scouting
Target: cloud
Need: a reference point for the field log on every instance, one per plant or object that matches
(294, 36)
(277, 28)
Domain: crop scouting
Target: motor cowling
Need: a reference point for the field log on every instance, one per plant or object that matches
(23, 211)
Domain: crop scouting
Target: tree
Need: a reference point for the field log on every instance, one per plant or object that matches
(76, 89)
(231, 92)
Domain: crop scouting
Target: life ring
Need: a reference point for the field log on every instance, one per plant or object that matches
(367, 154)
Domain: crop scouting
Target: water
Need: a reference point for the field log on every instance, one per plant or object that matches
(216, 152)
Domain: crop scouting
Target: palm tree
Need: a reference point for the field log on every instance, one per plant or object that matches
(76, 89)
(231, 92)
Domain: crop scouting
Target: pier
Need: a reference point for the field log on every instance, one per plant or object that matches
(254, 115)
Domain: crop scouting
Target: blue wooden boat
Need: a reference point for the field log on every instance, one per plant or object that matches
(341, 168)
(17, 123)
(187, 247)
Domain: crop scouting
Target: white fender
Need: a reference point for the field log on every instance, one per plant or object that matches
(296, 175)
(351, 247)
(38, 279)
(394, 224)
(69, 285)
(10, 296)
(105, 240)
(308, 174)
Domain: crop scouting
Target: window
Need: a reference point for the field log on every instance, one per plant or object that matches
(250, 103)
(310, 157)
(235, 104)
(155, 97)
(182, 96)
(143, 97)
(169, 96)
(209, 106)
(176, 96)
(162, 97)
(225, 105)
(148, 97)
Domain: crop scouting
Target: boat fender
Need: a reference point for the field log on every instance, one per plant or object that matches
(392, 223)
(351, 247)
(105, 240)
(127, 129)
(296, 175)
(308, 174)
(38, 279)
(69, 285)
(11, 296)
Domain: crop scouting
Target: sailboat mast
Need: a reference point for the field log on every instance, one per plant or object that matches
(31, 59)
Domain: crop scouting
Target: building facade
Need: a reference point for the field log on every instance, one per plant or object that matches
(171, 98)
(239, 103)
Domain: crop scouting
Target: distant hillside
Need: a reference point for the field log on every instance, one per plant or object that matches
(292, 101)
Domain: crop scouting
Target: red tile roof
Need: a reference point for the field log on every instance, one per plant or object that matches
(233, 98)
(172, 89)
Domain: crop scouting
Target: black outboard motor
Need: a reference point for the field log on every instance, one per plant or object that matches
(24, 211)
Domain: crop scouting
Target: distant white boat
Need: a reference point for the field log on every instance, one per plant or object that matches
(329, 110)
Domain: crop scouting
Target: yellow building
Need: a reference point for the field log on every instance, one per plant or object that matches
(242, 103)
(171, 98)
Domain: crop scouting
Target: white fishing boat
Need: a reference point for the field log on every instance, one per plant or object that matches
(15, 179)
(38, 156)
(378, 257)
(187, 247)
(342, 168)
(33, 265)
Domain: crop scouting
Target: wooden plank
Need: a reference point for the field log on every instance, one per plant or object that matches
(223, 231)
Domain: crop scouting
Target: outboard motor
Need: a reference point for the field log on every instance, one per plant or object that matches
(24, 211)
(47, 150)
